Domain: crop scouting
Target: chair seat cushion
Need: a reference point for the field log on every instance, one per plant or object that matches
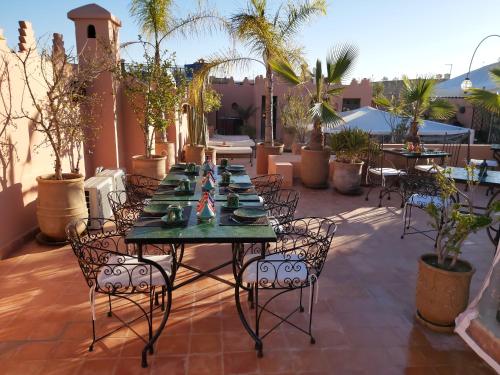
(386, 171)
(429, 168)
(122, 271)
(282, 269)
(422, 200)
(489, 163)
(233, 150)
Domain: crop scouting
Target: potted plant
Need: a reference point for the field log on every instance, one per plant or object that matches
(153, 90)
(351, 147)
(202, 99)
(315, 158)
(270, 36)
(294, 119)
(416, 102)
(65, 115)
(443, 281)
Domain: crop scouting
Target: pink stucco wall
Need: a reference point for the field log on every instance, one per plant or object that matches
(250, 92)
(18, 172)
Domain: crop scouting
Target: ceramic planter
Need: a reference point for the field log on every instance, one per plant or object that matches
(153, 167)
(263, 151)
(314, 167)
(441, 294)
(59, 202)
(166, 149)
(195, 154)
(297, 148)
(347, 177)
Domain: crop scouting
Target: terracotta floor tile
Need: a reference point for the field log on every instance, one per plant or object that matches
(34, 350)
(240, 363)
(17, 367)
(175, 365)
(173, 344)
(205, 364)
(206, 343)
(98, 366)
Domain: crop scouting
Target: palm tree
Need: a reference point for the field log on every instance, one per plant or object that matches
(416, 103)
(270, 36)
(339, 63)
(487, 99)
(156, 19)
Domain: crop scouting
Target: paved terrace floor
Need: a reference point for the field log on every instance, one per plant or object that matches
(363, 321)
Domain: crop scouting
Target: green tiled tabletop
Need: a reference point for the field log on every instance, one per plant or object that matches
(236, 178)
(197, 232)
(495, 147)
(492, 178)
(416, 155)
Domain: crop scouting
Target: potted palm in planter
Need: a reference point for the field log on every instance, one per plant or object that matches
(65, 115)
(351, 147)
(270, 36)
(294, 115)
(201, 100)
(417, 102)
(152, 89)
(314, 163)
(442, 290)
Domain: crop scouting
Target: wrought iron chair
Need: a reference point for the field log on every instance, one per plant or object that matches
(108, 269)
(383, 173)
(452, 145)
(293, 263)
(126, 211)
(140, 188)
(419, 191)
(267, 185)
(282, 208)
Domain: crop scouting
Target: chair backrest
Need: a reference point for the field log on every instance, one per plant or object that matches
(95, 248)
(283, 205)
(419, 184)
(267, 185)
(305, 243)
(453, 144)
(140, 187)
(125, 209)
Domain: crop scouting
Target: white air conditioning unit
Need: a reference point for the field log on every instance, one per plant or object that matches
(96, 196)
(117, 175)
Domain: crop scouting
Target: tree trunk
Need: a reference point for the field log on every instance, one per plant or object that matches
(413, 136)
(58, 168)
(269, 136)
(317, 137)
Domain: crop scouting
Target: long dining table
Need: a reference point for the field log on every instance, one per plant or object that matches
(149, 229)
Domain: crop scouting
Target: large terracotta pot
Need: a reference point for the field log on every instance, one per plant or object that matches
(297, 148)
(441, 294)
(288, 139)
(347, 177)
(58, 203)
(314, 167)
(195, 154)
(263, 151)
(166, 149)
(153, 167)
(211, 153)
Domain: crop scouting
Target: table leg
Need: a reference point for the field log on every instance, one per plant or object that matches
(494, 232)
(149, 346)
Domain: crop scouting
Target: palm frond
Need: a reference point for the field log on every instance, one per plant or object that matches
(151, 15)
(495, 76)
(285, 70)
(318, 78)
(326, 114)
(441, 109)
(340, 62)
(298, 14)
(418, 90)
(197, 24)
(485, 99)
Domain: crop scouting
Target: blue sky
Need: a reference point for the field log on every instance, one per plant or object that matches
(394, 37)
